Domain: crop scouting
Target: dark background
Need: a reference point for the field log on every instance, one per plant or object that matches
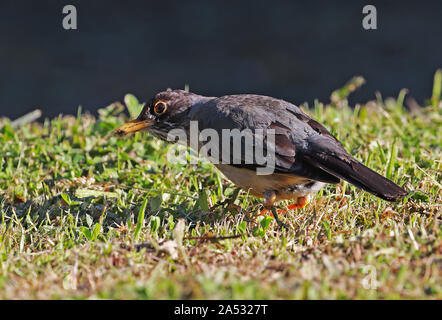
(293, 50)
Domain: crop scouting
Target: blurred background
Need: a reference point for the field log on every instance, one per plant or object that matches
(295, 50)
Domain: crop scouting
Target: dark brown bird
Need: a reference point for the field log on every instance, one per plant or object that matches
(307, 155)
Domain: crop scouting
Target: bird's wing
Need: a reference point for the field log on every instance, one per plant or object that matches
(303, 147)
(258, 112)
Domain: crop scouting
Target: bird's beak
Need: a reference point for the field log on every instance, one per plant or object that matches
(134, 125)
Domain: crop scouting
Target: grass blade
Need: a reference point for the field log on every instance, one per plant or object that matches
(140, 220)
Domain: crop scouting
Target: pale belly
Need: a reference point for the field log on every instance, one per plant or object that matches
(286, 187)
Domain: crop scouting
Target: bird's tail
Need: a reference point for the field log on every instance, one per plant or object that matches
(349, 169)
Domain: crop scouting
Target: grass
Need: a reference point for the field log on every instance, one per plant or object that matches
(88, 214)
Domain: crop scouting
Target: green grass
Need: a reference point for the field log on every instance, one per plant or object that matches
(88, 214)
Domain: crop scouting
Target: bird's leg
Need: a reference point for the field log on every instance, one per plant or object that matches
(300, 203)
(269, 200)
(279, 222)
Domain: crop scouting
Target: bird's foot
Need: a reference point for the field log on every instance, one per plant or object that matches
(300, 203)
(268, 212)
(273, 212)
(269, 200)
(279, 222)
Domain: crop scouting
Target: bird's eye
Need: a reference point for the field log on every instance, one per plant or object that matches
(160, 107)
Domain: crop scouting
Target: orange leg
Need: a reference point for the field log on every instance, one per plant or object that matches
(269, 200)
(301, 203)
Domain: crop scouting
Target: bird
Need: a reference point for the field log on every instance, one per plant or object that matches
(306, 155)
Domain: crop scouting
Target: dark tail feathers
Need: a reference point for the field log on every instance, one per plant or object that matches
(340, 164)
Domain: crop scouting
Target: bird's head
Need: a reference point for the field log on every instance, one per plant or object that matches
(167, 110)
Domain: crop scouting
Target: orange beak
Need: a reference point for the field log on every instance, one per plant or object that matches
(134, 126)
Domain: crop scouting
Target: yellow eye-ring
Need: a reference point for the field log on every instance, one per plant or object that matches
(160, 107)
